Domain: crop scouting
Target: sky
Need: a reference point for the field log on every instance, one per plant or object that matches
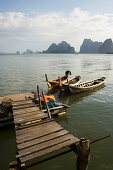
(36, 24)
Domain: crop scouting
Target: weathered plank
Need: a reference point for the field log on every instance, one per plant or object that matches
(24, 106)
(35, 135)
(18, 101)
(25, 110)
(29, 119)
(44, 145)
(38, 128)
(22, 103)
(53, 148)
(45, 138)
(29, 114)
(25, 126)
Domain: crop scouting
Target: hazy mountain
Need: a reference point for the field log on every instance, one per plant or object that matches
(62, 47)
(88, 46)
(28, 51)
(106, 47)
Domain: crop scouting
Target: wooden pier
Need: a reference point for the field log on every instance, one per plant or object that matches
(37, 134)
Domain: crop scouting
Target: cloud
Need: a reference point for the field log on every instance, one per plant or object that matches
(19, 31)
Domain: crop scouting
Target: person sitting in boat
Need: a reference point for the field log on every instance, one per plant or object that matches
(67, 73)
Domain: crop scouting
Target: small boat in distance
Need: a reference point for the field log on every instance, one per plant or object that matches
(88, 86)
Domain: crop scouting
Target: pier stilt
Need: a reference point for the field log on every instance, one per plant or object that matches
(14, 165)
(46, 77)
(39, 97)
(83, 152)
(48, 112)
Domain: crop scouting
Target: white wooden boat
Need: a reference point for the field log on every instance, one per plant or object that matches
(62, 82)
(74, 81)
(57, 82)
(88, 86)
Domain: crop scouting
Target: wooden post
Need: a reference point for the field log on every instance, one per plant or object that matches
(39, 97)
(68, 81)
(46, 77)
(15, 165)
(83, 154)
(49, 114)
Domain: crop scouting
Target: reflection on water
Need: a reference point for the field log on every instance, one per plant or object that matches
(76, 97)
(91, 113)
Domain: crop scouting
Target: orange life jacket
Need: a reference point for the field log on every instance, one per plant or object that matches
(48, 98)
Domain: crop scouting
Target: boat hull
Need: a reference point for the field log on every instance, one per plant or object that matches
(76, 80)
(55, 83)
(89, 86)
(64, 83)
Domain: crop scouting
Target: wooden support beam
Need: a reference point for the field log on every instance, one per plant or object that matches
(47, 159)
(83, 152)
(96, 140)
(14, 165)
(46, 77)
(39, 97)
(49, 114)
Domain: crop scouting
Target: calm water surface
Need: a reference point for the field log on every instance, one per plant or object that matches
(91, 114)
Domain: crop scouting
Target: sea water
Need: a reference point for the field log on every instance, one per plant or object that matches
(90, 114)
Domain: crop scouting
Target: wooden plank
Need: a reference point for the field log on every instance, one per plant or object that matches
(19, 96)
(39, 135)
(47, 150)
(17, 101)
(33, 117)
(54, 108)
(25, 126)
(25, 110)
(29, 119)
(65, 105)
(29, 114)
(49, 158)
(21, 103)
(22, 107)
(44, 145)
(42, 139)
(38, 128)
(28, 135)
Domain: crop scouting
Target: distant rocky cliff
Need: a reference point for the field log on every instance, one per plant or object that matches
(62, 47)
(88, 46)
(106, 47)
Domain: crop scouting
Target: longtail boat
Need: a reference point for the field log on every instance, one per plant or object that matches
(74, 81)
(57, 82)
(88, 86)
(62, 81)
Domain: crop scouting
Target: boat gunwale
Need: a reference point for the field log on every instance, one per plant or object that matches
(66, 84)
(91, 86)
